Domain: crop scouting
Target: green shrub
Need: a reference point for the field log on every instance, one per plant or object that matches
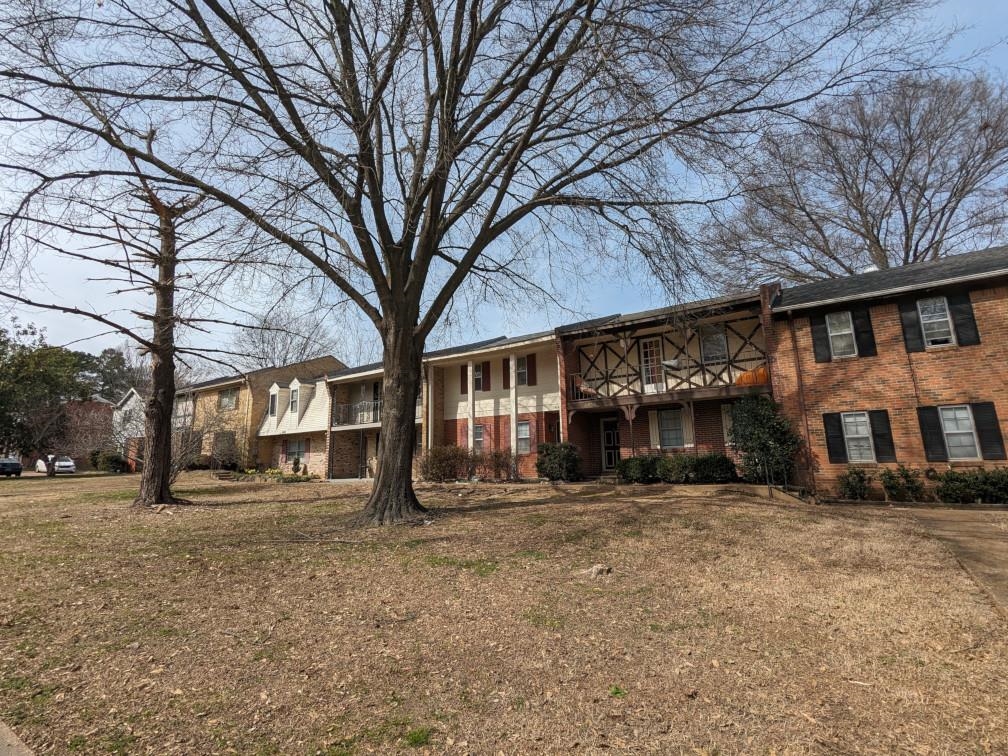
(765, 440)
(643, 469)
(853, 483)
(696, 468)
(902, 484)
(110, 461)
(677, 468)
(558, 462)
(969, 486)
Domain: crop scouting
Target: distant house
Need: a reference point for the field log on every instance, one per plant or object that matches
(128, 427)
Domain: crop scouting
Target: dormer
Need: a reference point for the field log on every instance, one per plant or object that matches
(279, 397)
(298, 397)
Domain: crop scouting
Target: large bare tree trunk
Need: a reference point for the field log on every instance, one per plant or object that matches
(392, 496)
(155, 480)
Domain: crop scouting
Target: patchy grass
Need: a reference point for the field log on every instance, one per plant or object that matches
(259, 621)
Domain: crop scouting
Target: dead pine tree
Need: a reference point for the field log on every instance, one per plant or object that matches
(411, 149)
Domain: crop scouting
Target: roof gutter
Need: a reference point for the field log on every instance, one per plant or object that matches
(890, 292)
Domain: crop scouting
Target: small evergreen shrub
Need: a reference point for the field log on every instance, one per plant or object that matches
(902, 484)
(643, 469)
(696, 468)
(295, 466)
(109, 461)
(969, 486)
(558, 462)
(853, 484)
(765, 440)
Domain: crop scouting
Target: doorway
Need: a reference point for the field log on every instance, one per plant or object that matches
(610, 443)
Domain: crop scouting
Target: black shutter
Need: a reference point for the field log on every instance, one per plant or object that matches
(506, 372)
(931, 433)
(961, 311)
(864, 335)
(464, 378)
(836, 447)
(820, 339)
(988, 430)
(882, 440)
(913, 336)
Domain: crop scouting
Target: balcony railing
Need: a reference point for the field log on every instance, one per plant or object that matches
(362, 413)
(677, 376)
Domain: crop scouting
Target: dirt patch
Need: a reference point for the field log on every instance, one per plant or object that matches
(259, 622)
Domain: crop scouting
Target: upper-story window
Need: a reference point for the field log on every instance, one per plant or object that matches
(227, 399)
(840, 326)
(936, 323)
(273, 405)
(294, 401)
(478, 376)
(521, 371)
(713, 344)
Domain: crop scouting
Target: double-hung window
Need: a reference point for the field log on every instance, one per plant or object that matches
(273, 405)
(478, 376)
(840, 327)
(936, 323)
(521, 371)
(227, 399)
(960, 432)
(713, 345)
(524, 445)
(478, 438)
(670, 428)
(858, 437)
(294, 401)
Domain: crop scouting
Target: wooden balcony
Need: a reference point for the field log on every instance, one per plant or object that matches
(676, 379)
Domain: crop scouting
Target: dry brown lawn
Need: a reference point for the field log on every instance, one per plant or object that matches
(259, 622)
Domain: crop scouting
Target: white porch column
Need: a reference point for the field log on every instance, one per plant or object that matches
(513, 383)
(472, 403)
(430, 406)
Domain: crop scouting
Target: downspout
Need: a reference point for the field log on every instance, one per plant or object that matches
(801, 396)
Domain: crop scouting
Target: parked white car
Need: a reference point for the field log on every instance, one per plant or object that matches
(62, 464)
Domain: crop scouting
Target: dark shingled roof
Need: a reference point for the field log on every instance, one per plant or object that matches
(703, 305)
(988, 263)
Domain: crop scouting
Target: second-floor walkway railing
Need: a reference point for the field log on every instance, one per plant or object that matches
(362, 413)
(670, 376)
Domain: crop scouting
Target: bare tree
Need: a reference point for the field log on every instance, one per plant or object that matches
(403, 148)
(282, 336)
(907, 173)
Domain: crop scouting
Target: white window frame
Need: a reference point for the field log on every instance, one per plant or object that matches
(848, 437)
(295, 399)
(526, 437)
(231, 393)
(946, 433)
(521, 371)
(662, 430)
(478, 376)
(302, 445)
(654, 382)
(714, 330)
(478, 431)
(948, 320)
(832, 333)
(273, 405)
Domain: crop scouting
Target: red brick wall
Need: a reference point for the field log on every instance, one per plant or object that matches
(893, 380)
(496, 436)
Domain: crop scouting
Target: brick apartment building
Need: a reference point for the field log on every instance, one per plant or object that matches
(896, 366)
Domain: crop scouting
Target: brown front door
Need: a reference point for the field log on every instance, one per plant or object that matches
(610, 443)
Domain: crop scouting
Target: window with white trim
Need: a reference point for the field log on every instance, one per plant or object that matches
(960, 432)
(670, 428)
(521, 371)
(294, 401)
(478, 376)
(713, 344)
(297, 449)
(936, 323)
(857, 436)
(524, 435)
(273, 405)
(478, 438)
(227, 399)
(840, 326)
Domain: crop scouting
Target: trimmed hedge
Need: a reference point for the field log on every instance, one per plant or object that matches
(558, 462)
(902, 484)
(970, 486)
(678, 468)
(853, 484)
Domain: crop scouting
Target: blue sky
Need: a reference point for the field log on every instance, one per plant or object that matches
(986, 28)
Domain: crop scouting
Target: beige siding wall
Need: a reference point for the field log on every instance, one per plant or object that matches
(543, 397)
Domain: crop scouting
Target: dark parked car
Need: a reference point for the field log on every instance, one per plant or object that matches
(10, 466)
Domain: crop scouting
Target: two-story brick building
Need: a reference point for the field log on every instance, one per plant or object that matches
(896, 366)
